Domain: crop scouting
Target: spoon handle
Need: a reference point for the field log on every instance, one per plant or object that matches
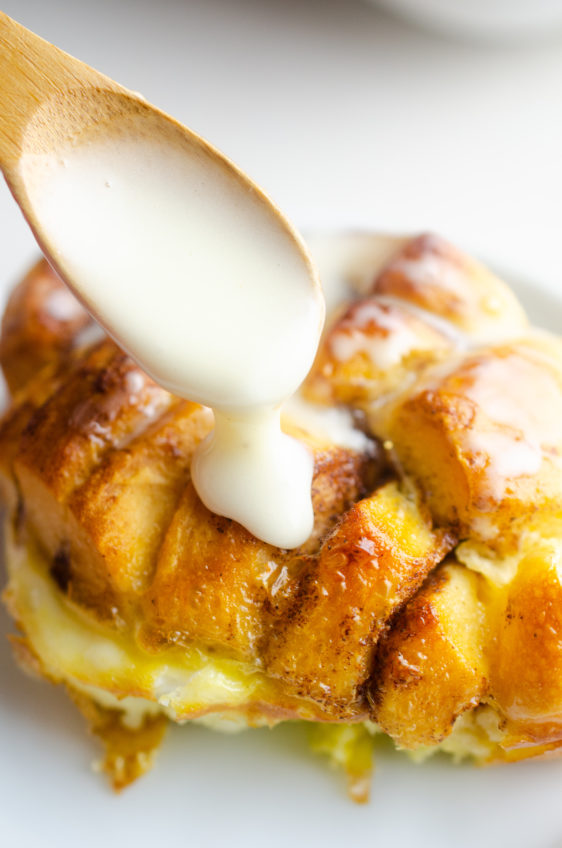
(33, 71)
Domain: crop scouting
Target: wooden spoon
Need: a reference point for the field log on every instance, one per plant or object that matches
(51, 106)
(186, 263)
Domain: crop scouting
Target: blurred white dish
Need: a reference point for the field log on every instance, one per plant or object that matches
(483, 19)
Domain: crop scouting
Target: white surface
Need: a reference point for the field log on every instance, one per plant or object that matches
(345, 116)
(348, 119)
(483, 19)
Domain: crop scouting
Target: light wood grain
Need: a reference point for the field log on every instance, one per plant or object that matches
(34, 72)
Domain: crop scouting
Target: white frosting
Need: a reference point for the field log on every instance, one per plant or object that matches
(61, 306)
(199, 278)
(508, 457)
(430, 267)
(278, 487)
(332, 423)
(393, 339)
(349, 263)
(519, 434)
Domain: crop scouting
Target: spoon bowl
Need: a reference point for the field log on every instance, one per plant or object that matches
(183, 260)
(68, 135)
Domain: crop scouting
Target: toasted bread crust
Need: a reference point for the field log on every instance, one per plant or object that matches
(464, 407)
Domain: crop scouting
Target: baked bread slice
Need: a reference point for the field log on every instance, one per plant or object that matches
(426, 602)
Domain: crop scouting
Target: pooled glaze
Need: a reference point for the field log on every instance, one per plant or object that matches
(516, 437)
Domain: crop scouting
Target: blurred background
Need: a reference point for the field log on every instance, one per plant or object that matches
(438, 114)
(349, 116)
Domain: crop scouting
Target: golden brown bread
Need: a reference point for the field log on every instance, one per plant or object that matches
(41, 324)
(375, 616)
(434, 275)
(365, 571)
(431, 664)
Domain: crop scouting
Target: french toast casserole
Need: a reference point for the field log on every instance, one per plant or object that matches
(427, 603)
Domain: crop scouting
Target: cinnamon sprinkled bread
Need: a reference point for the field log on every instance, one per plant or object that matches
(427, 603)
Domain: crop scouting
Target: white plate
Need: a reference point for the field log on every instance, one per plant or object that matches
(258, 788)
(488, 20)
